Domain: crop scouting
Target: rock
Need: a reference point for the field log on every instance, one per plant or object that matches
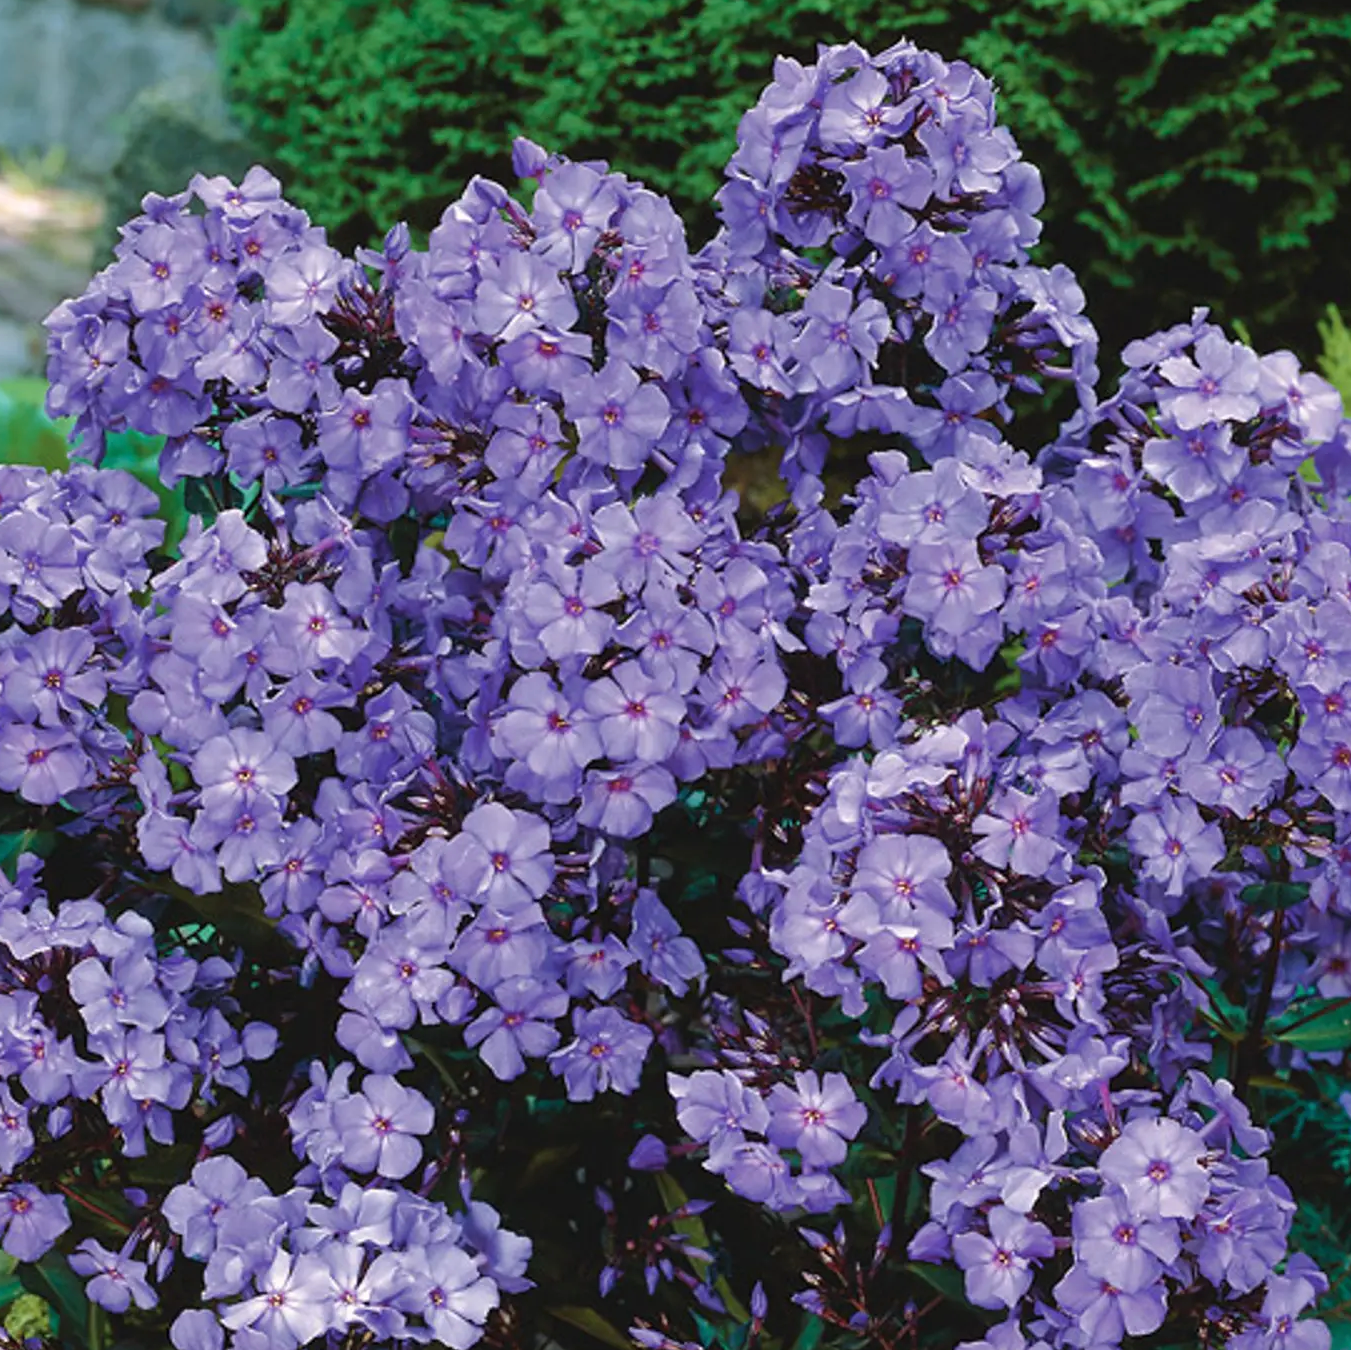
(170, 133)
(71, 70)
(205, 14)
(17, 356)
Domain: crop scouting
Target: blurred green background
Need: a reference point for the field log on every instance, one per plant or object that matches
(1193, 153)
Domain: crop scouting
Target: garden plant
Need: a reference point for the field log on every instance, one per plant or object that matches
(486, 883)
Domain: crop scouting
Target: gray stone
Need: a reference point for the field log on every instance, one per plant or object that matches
(71, 70)
(17, 355)
(170, 133)
(205, 14)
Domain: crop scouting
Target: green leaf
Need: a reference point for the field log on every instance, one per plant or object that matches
(1269, 895)
(693, 1228)
(53, 1281)
(1318, 1024)
(591, 1322)
(812, 1330)
(943, 1280)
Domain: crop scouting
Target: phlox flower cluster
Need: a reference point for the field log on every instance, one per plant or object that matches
(477, 756)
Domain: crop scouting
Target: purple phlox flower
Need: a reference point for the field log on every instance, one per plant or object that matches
(54, 676)
(267, 447)
(197, 1329)
(1116, 1245)
(1278, 1325)
(838, 339)
(565, 608)
(1106, 1313)
(450, 1292)
(971, 1176)
(127, 993)
(259, 192)
(380, 1126)
(31, 1221)
(967, 157)
(607, 1052)
(598, 966)
(1021, 832)
(297, 719)
(932, 507)
(883, 183)
(1196, 463)
(194, 1210)
(753, 1169)
(235, 769)
(663, 953)
(518, 846)
(303, 284)
(1173, 707)
(542, 729)
(214, 559)
(647, 542)
(117, 1279)
(571, 208)
(301, 373)
(502, 1254)
(161, 266)
(38, 557)
(867, 714)
(963, 317)
(714, 1103)
(361, 1214)
(898, 938)
(1039, 586)
(500, 944)
(358, 889)
(519, 293)
(655, 329)
(741, 688)
(365, 1290)
(757, 348)
(1312, 645)
(636, 713)
(1311, 402)
(527, 444)
(42, 766)
(998, 1268)
(396, 980)
(520, 1025)
(619, 418)
(1157, 1164)
(912, 868)
(957, 426)
(910, 267)
(1175, 845)
(1220, 385)
(953, 1090)
(364, 434)
(543, 360)
(1240, 773)
(859, 110)
(817, 1117)
(246, 836)
(16, 1134)
(734, 597)
(623, 801)
(949, 586)
(1320, 759)
(292, 1304)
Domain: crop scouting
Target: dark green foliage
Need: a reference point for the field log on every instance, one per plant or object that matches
(1194, 153)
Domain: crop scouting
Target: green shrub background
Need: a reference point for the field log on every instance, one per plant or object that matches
(1194, 153)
